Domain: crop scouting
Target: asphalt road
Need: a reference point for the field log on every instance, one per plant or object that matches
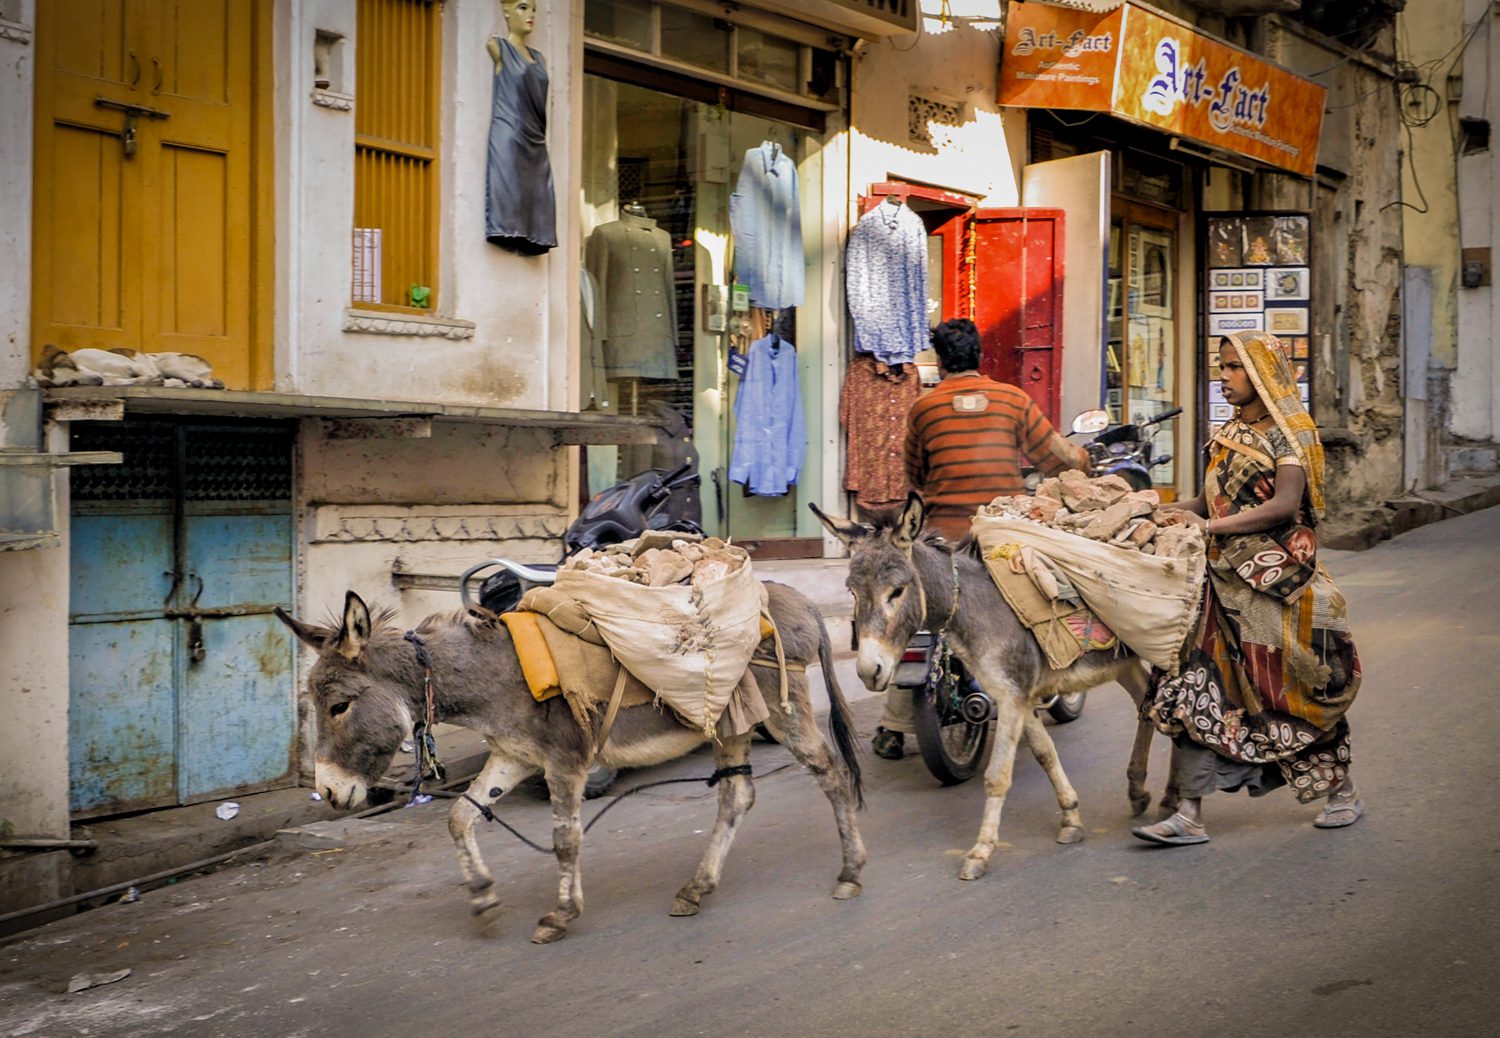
(1388, 928)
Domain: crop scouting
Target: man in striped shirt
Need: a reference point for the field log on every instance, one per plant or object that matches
(965, 439)
(964, 442)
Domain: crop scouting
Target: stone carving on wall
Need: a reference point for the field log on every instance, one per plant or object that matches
(922, 113)
(374, 524)
(372, 323)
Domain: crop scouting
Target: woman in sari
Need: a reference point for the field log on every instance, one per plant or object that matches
(1260, 701)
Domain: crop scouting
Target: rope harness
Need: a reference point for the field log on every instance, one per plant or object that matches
(423, 744)
(424, 750)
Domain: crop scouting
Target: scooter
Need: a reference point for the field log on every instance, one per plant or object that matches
(647, 501)
(950, 712)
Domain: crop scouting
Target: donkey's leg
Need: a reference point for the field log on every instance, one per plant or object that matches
(499, 776)
(565, 782)
(1045, 752)
(806, 743)
(1136, 684)
(736, 796)
(1135, 771)
(1009, 723)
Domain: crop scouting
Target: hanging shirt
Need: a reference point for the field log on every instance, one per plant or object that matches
(873, 406)
(770, 439)
(766, 218)
(885, 281)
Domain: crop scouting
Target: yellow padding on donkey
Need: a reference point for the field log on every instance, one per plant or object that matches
(537, 664)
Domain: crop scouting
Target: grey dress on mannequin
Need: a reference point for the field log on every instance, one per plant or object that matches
(520, 210)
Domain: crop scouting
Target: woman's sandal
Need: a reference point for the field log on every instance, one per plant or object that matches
(1176, 831)
(1339, 812)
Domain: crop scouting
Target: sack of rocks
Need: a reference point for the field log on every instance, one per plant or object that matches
(1104, 508)
(682, 614)
(1134, 564)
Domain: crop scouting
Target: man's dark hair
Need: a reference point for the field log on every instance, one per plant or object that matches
(957, 344)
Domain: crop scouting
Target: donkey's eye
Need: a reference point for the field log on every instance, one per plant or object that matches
(338, 708)
(896, 592)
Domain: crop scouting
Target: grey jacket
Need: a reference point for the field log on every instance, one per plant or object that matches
(631, 261)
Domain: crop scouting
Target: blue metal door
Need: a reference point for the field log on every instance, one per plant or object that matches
(181, 686)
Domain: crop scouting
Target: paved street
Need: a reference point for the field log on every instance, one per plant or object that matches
(1389, 928)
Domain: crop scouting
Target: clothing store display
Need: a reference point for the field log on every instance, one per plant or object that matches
(631, 261)
(885, 282)
(766, 218)
(770, 438)
(520, 210)
(591, 333)
(873, 405)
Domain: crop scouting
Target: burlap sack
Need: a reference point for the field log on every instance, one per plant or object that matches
(690, 644)
(1151, 603)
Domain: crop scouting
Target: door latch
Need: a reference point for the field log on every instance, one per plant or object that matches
(132, 113)
(196, 651)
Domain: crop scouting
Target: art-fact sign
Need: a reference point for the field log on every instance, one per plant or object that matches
(1149, 69)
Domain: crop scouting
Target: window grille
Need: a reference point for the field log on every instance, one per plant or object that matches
(396, 126)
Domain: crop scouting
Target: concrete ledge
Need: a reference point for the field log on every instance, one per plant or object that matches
(1459, 496)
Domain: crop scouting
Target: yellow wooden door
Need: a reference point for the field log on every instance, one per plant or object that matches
(147, 243)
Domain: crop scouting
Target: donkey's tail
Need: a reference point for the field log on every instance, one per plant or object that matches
(840, 720)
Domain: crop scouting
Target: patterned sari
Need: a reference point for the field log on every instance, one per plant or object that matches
(1273, 666)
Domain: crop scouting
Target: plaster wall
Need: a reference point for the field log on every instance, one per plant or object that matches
(978, 151)
(17, 92)
(504, 328)
(1356, 308)
(1476, 383)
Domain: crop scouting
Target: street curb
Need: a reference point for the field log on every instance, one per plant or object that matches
(1459, 496)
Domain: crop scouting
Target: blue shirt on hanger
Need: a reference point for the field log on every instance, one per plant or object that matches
(885, 282)
(766, 218)
(770, 438)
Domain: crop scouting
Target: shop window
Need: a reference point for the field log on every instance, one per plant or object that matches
(626, 22)
(769, 59)
(1141, 352)
(695, 39)
(397, 61)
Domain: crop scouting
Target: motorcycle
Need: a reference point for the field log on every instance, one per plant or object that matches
(950, 712)
(651, 500)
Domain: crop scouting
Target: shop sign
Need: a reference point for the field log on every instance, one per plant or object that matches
(1149, 69)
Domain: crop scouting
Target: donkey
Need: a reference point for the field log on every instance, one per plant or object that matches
(367, 690)
(903, 581)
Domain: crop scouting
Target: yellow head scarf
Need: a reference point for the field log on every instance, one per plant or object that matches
(1270, 371)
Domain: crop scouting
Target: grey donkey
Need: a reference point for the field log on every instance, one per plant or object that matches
(903, 581)
(366, 690)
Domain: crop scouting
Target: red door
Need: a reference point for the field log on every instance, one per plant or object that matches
(1018, 299)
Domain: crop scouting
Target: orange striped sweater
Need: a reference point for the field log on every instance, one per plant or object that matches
(964, 446)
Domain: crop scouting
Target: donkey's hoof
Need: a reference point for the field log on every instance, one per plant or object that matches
(846, 890)
(1139, 804)
(548, 931)
(973, 868)
(489, 919)
(682, 906)
(1070, 834)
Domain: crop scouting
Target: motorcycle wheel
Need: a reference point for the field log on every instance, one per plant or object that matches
(1067, 708)
(952, 748)
(599, 780)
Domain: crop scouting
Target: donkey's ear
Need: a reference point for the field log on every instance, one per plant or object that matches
(846, 530)
(308, 634)
(909, 525)
(354, 635)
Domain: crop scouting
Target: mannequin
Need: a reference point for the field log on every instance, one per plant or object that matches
(520, 206)
(631, 261)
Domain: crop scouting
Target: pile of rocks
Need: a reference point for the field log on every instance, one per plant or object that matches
(659, 559)
(1106, 509)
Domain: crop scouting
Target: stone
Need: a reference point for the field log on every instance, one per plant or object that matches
(1044, 509)
(1142, 533)
(1051, 488)
(1094, 495)
(1108, 522)
(1176, 542)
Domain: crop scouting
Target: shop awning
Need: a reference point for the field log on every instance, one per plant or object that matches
(1149, 68)
(870, 19)
(81, 403)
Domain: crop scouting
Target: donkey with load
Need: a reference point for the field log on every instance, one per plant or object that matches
(370, 685)
(904, 580)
